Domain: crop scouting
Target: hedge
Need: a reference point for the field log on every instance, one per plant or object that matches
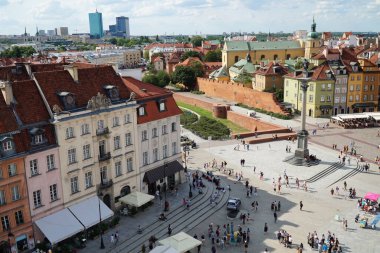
(206, 127)
(188, 118)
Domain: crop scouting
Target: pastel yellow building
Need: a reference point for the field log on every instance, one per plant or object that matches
(233, 51)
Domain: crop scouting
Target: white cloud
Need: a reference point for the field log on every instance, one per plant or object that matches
(191, 16)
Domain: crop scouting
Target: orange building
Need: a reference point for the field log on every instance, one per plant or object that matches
(16, 226)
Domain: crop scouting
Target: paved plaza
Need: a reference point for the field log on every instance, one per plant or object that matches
(319, 211)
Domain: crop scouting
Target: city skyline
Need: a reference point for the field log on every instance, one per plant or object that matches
(151, 17)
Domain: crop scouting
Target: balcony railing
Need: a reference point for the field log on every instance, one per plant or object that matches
(104, 156)
(102, 131)
(105, 184)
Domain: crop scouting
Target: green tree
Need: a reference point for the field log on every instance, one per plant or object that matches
(213, 56)
(146, 55)
(244, 78)
(197, 41)
(163, 78)
(198, 69)
(190, 54)
(113, 41)
(150, 78)
(184, 75)
(17, 52)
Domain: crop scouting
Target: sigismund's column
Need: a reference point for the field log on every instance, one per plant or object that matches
(302, 151)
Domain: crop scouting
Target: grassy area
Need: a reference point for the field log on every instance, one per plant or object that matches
(203, 112)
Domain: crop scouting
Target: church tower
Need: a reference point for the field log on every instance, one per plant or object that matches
(313, 43)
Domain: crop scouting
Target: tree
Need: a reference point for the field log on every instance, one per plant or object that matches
(190, 54)
(17, 52)
(113, 41)
(198, 69)
(244, 78)
(197, 41)
(163, 78)
(150, 78)
(184, 75)
(213, 56)
(146, 55)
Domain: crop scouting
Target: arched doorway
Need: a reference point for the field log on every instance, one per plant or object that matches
(107, 200)
(125, 190)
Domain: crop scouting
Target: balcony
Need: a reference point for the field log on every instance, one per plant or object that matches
(105, 184)
(102, 131)
(104, 156)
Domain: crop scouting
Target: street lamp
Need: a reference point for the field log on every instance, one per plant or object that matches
(100, 222)
(165, 186)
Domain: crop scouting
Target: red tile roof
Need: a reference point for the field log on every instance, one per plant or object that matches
(91, 82)
(10, 73)
(189, 61)
(149, 95)
(320, 72)
(8, 121)
(268, 70)
(30, 106)
(46, 67)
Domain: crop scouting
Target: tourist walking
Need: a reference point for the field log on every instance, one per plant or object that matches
(301, 205)
(275, 217)
(265, 227)
(169, 230)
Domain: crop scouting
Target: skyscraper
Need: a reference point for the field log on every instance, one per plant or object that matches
(96, 24)
(122, 25)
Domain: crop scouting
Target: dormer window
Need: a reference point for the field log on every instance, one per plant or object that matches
(162, 105)
(37, 136)
(68, 100)
(112, 92)
(141, 111)
(7, 145)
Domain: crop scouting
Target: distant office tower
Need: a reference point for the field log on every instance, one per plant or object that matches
(51, 32)
(122, 25)
(62, 31)
(41, 32)
(112, 28)
(96, 24)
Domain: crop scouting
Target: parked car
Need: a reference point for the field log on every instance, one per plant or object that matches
(233, 204)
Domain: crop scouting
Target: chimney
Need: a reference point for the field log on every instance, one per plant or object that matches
(28, 69)
(73, 70)
(6, 90)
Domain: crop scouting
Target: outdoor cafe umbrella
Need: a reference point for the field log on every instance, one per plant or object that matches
(372, 196)
(136, 199)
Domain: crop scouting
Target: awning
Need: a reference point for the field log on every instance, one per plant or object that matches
(372, 196)
(59, 226)
(74, 219)
(362, 105)
(182, 242)
(160, 172)
(164, 249)
(136, 199)
(325, 107)
(89, 218)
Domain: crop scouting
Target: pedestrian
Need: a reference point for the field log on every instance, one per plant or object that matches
(213, 249)
(278, 206)
(116, 237)
(246, 247)
(301, 205)
(169, 230)
(332, 191)
(345, 185)
(275, 217)
(112, 239)
(265, 227)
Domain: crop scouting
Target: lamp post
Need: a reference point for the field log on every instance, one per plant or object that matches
(100, 222)
(165, 186)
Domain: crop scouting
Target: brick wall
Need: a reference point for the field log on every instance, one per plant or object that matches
(240, 94)
(191, 101)
(251, 123)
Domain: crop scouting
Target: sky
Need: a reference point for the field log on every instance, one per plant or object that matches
(151, 17)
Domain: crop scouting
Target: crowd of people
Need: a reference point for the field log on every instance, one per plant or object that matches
(324, 244)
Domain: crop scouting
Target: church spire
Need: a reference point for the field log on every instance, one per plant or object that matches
(313, 26)
(25, 34)
(37, 33)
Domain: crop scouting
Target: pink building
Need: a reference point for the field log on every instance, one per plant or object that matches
(42, 164)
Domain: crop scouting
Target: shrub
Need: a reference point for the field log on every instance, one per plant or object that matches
(273, 114)
(115, 220)
(188, 118)
(206, 127)
(197, 92)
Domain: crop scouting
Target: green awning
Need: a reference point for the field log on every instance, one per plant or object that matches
(362, 105)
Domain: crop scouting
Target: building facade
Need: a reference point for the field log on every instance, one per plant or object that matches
(96, 24)
(269, 77)
(158, 141)
(122, 26)
(96, 140)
